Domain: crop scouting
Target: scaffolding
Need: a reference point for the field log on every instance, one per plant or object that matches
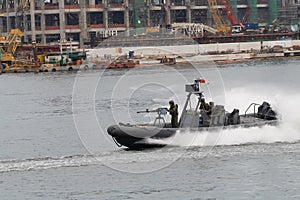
(288, 13)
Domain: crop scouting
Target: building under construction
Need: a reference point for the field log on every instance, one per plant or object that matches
(48, 21)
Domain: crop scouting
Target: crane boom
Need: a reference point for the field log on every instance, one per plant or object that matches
(13, 40)
(221, 26)
(22, 5)
(229, 12)
(11, 44)
(247, 13)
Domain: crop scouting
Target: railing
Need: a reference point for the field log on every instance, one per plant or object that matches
(254, 108)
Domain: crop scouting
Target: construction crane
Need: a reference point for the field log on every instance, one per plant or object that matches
(221, 25)
(23, 4)
(245, 17)
(10, 45)
(235, 26)
(247, 13)
(229, 12)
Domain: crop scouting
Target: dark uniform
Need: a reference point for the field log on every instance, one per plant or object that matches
(211, 105)
(205, 109)
(173, 110)
(204, 105)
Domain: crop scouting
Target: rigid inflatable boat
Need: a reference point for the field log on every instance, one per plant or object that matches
(193, 119)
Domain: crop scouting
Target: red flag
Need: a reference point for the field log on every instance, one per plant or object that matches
(201, 81)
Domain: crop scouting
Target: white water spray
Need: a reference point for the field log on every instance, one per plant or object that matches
(285, 104)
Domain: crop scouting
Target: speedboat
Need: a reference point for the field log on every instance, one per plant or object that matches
(192, 119)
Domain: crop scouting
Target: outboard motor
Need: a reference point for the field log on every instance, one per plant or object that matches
(265, 111)
(234, 117)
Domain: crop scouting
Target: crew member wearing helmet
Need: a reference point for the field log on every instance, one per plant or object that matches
(173, 110)
(204, 106)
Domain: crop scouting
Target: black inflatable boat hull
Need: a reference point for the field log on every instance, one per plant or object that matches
(137, 136)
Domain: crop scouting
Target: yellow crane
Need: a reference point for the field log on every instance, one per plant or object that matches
(23, 4)
(9, 47)
(221, 25)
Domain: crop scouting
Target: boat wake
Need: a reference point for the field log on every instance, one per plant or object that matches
(239, 136)
(113, 159)
(46, 163)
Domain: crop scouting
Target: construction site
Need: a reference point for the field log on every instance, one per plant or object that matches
(31, 28)
(50, 21)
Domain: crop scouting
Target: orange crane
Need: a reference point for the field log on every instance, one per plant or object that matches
(229, 12)
(236, 27)
(221, 25)
(248, 12)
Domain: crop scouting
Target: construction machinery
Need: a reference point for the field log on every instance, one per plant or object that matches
(221, 25)
(193, 29)
(8, 49)
(23, 4)
(229, 12)
(246, 15)
(234, 27)
(9, 46)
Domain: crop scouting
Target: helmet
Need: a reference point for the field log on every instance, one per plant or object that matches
(171, 102)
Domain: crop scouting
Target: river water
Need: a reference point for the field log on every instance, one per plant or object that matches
(54, 144)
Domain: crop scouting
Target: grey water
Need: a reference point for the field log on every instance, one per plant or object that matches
(53, 141)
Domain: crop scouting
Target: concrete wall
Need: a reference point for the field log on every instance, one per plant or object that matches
(190, 49)
(197, 53)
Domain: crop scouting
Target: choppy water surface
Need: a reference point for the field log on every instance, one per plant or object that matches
(50, 148)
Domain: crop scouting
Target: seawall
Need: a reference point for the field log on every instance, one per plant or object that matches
(201, 52)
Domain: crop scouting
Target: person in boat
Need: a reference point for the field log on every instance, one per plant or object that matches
(173, 110)
(204, 106)
(206, 109)
(211, 105)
